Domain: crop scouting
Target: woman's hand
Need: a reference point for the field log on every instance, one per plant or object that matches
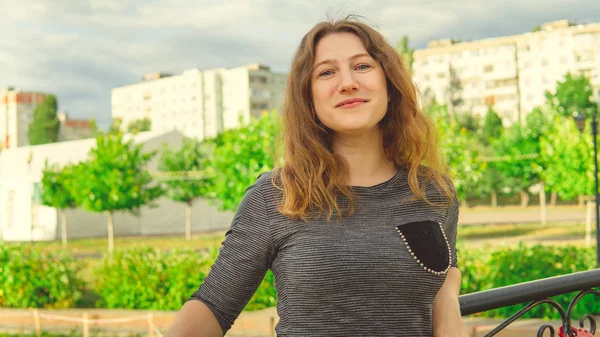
(447, 320)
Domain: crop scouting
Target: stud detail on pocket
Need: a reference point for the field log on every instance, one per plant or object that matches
(429, 270)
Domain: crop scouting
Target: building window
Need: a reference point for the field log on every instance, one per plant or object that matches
(37, 193)
(488, 68)
(10, 209)
(258, 79)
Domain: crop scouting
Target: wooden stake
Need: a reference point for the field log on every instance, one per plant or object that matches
(86, 325)
(150, 326)
(36, 319)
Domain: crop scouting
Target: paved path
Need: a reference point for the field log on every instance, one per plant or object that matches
(249, 324)
(506, 215)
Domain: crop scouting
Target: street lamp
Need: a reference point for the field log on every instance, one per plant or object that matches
(580, 121)
(596, 99)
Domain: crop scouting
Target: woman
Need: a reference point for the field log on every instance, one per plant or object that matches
(359, 224)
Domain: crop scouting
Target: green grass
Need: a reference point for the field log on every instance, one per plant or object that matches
(95, 246)
(529, 231)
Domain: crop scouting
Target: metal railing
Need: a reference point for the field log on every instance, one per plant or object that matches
(537, 293)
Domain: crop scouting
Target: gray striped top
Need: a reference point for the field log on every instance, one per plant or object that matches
(375, 273)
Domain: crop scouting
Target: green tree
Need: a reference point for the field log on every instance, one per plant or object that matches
(568, 155)
(492, 126)
(45, 126)
(57, 191)
(470, 123)
(492, 182)
(139, 125)
(406, 52)
(192, 156)
(239, 156)
(114, 178)
(518, 160)
(458, 150)
(572, 97)
(453, 92)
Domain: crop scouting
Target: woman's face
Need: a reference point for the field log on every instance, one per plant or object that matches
(348, 86)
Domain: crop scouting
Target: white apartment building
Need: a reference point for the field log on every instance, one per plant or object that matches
(16, 113)
(200, 103)
(510, 73)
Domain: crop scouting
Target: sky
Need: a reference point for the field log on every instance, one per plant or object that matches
(80, 49)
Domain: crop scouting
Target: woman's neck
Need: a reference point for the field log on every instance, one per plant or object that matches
(368, 164)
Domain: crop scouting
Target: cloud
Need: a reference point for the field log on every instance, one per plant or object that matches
(80, 50)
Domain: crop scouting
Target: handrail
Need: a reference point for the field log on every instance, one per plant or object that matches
(528, 291)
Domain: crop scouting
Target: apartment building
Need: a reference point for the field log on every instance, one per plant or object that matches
(510, 74)
(16, 113)
(73, 129)
(200, 103)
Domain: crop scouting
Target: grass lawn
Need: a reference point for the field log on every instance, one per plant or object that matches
(511, 234)
(97, 246)
(473, 234)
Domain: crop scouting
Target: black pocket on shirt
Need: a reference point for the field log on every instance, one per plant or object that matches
(428, 245)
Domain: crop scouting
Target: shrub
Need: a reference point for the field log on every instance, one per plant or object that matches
(265, 296)
(474, 267)
(31, 279)
(523, 263)
(146, 278)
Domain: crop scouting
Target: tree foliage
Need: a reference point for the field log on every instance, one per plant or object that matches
(492, 126)
(45, 126)
(568, 154)
(192, 156)
(406, 52)
(572, 97)
(239, 156)
(139, 125)
(58, 186)
(115, 178)
(518, 161)
(458, 150)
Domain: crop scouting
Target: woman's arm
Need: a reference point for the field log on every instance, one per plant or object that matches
(195, 319)
(447, 319)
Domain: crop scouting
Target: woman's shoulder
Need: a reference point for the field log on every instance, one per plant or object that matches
(265, 186)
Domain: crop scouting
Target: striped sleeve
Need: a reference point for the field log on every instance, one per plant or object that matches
(451, 227)
(243, 260)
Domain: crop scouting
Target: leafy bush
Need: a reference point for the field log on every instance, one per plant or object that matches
(265, 296)
(523, 263)
(31, 279)
(146, 278)
(474, 267)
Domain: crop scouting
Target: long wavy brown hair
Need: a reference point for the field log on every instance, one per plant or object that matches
(313, 177)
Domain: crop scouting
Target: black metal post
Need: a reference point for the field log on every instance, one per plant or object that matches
(595, 134)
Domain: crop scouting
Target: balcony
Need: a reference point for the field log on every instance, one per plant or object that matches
(537, 293)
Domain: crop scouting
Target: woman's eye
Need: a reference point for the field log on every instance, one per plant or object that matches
(326, 73)
(363, 67)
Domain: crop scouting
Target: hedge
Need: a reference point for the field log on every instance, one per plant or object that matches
(146, 278)
(158, 280)
(29, 278)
